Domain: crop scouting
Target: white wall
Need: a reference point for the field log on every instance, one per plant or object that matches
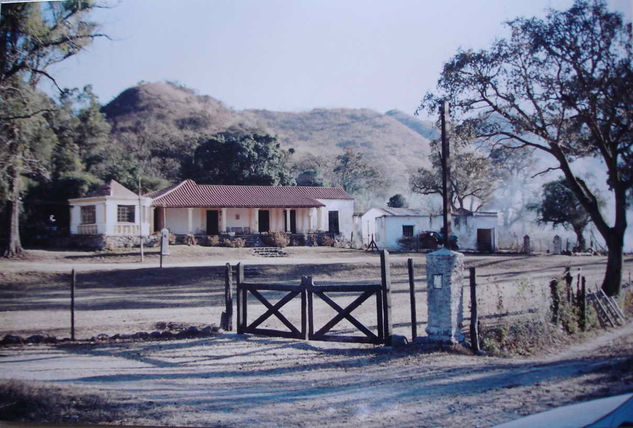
(106, 214)
(389, 229)
(345, 210)
(368, 224)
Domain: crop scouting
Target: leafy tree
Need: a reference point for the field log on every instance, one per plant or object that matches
(239, 157)
(397, 201)
(33, 36)
(310, 177)
(559, 206)
(562, 85)
(515, 169)
(471, 180)
(354, 174)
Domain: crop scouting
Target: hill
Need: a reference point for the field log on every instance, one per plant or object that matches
(161, 122)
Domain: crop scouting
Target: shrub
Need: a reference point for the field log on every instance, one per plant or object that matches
(324, 240)
(297, 240)
(238, 243)
(213, 240)
(276, 239)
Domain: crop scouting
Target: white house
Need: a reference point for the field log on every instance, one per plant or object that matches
(191, 208)
(474, 231)
(111, 210)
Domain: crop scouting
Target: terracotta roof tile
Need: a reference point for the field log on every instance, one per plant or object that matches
(190, 194)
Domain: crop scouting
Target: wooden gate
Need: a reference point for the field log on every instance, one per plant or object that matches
(309, 291)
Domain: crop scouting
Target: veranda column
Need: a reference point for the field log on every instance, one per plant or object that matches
(287, 220)
(320, 221)
(311, 212)
(223, 220)
(189, 220)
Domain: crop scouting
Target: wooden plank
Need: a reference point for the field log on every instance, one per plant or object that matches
(414, 322)
(270, 287)
(345, 313)
(385, 276)
(273, 333)
(474, 319)
(348, 339)
(274, 310)
(352, 288)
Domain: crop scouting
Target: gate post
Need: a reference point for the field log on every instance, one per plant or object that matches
(385, 276)
(306, 291)
(241, 300)
(226, 321)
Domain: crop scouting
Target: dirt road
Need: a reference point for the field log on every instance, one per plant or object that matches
(245, 381)
(240, 380)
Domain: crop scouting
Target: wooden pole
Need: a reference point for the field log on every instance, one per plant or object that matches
(583, 304)
(446, 172)
(73, 281)
(306, 307)
(414, 322)
(385, 274)
(140, 220)
(241, 300)
(474, 319)
(226, 322)
(161, 258)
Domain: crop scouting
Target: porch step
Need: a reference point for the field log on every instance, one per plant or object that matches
(269, 252)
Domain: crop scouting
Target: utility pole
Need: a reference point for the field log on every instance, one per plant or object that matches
(140, 219)
(446, 172)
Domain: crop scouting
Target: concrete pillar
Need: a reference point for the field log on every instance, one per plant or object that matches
(189, 220)
(256, 220)
(445, 273)
(223, 218)
(311, 212)
(288, 220)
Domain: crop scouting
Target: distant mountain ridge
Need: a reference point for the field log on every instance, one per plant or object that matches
(170, 118)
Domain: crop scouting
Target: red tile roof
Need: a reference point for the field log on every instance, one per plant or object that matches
(188, 194)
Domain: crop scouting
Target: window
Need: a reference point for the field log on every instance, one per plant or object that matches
(125, 213)
(407, 231)
(88, 215)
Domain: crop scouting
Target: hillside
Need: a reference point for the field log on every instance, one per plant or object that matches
(161, 121)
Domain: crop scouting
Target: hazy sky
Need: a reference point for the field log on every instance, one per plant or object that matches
(292, 55)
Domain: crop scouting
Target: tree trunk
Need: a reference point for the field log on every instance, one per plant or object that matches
(581, 244)
(14, 244)
(613, 275)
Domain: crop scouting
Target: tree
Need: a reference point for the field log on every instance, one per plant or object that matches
(559, 206)
(310, 177)
(354, 174)
(562, 85)
(471, 182)
(33, 36)
(239, 157)
(397, 201)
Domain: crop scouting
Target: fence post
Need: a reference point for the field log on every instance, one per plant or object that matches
(553, 287)
(226, 321)
(241, 300)
(385, 275)
(414, 321)
(73, 281)
(474, 318)
(583, 305)
(306, 283)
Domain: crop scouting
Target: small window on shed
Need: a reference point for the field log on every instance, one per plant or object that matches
(125, 213)
(88, 215)
(407, 230)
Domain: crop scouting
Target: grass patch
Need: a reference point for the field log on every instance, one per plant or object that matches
(31, 402)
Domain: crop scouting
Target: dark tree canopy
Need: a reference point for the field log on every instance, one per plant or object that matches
(560, 207)
(355, 174)
(562, 85)
(397, 201)
(239, 157)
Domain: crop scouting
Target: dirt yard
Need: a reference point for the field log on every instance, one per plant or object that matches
(246, 380)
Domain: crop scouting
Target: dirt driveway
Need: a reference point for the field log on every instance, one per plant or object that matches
(245, 380)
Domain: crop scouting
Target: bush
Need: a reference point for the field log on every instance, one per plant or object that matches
(324, 240)
(297, 240)
(519, 338)
(213, 240)
(276, 239)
